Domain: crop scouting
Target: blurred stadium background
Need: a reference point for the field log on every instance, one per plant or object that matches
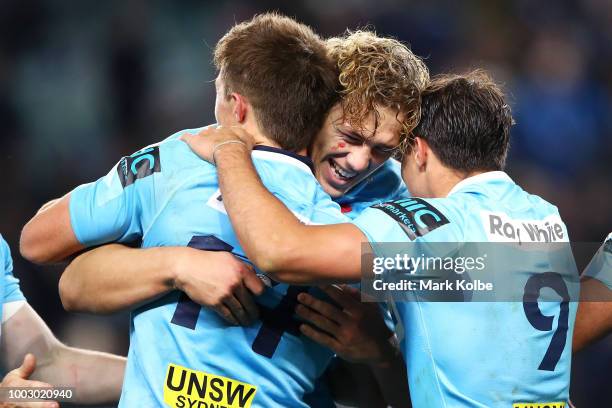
(83, 83)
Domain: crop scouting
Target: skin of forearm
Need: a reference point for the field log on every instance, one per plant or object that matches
(592, 323)
(594, 317)
(115, 277)
(240, 181)
(291, 252)
(96, 377)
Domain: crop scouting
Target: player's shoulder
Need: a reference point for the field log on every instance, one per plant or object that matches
(436, 219)
(172, 153)
(529, 200)
(285, 172)
(412, 218)
(173, 143)
(162, 160)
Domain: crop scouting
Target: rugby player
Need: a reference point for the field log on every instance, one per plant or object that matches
(481, 354)
(233, 357)
(113, 277)
(38, 359)
(594, 316)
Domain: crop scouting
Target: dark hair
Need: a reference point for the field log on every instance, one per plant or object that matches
(466, 121)
(285, 71)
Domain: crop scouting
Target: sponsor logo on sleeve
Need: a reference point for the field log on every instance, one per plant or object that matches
(539, 405)
(141, 164)
(190, 388)
(499, 227)
(416, 216)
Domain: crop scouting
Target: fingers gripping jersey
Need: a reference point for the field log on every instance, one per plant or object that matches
(600, 266)
(477, 354)
(9, 285)
(182, 354)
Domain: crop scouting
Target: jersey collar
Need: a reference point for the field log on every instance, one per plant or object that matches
(488, 177)
(289, 157)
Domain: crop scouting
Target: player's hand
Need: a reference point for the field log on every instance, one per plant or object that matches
(354, 330)
(207, 140)
(219, 281)
(18, 378)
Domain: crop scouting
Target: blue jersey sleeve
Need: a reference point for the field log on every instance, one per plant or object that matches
(410, 220)
(12, 292)
(600, 267)
(111, 208)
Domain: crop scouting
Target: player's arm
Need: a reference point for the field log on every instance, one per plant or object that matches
(271, 236)
(107, 210)
(594, 317)
(114, 277)
(96, 376)
(356, 332)
(48, 237)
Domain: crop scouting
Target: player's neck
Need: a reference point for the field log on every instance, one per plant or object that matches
(263, 140)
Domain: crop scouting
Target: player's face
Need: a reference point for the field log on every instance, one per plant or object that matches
(343, 155)
(223, 107)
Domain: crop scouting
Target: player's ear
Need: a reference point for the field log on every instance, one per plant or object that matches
(420, 151)
(239, 107)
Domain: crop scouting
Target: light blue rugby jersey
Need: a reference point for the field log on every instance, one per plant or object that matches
(383, 185)
(181, 353)
(479, 354)
(9, 284)
(600, 266)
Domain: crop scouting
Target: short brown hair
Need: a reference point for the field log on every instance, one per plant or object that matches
(283, 68)
(378, 71)
(466, 121)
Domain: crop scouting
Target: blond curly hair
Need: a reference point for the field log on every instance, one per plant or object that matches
(378, 71)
